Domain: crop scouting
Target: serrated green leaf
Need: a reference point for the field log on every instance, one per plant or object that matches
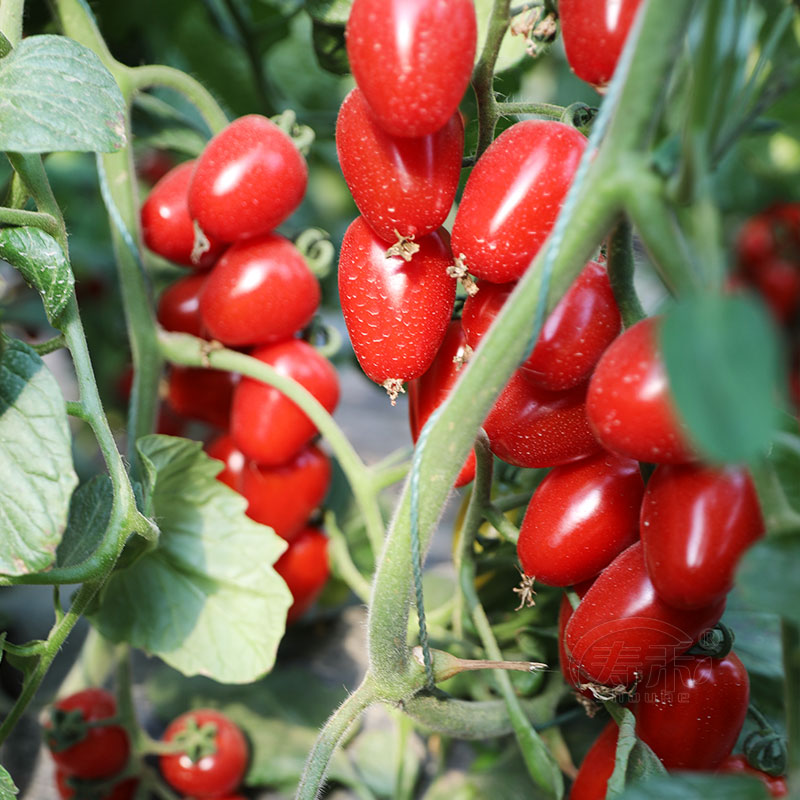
(41, 261)
(331, 12)
(206, 600)
(89, 512)
(56, 95)
(697, 786)
(722, 359)
(768, 578)
(8, 790)
(35, 462)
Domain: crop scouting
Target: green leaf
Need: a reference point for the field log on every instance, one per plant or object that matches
(375, 754)
(35, 462)
(206, 599)
(8, 791)
(634, 761)
(697, 786)
(331, 12)
(56, 95)
(89, 512)
(329, 47)
(722, 360)
(41, 261)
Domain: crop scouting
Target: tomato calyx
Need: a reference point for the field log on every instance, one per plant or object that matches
(765, 748)
(404, 247)
(394, 387)
(70, 727)
(201, 244)
(196, 741)
(716, 642)
(525, 591)
(459, 271)
(302, 136)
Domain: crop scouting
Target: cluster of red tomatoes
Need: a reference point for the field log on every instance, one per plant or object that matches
(250, 288)
(205, 753)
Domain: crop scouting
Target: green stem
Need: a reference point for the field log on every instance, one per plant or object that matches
(790, 632)
(94, 664)
(389, 476)
(31, 171)
(342, 561)
(11, 13)
(620, 272)
(50, 345)
(511, 501)
(35, 219)
(548, 110)
(501, 523)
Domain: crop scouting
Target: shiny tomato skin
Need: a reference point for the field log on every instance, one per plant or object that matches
(213, 775)
(531, 427)
(412, 59)
(428, 392)
(691, 712)
(401, 186)
(594, 33)
(622, 630)
(104, 750)
(260, 291)
(629, 404)
(737, 765)
(166, 225)
(513, 196)
(573, 337)
(569, 670)
(202, 394)
(696, 523)
(581, 516)
(248, 180)
(305, 567)
(283, 497)
(396, 311)
(179, 306)
(224, 449)
(591, 782)
(268, 427)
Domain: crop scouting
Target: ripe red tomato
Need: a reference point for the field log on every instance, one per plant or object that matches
(67, 788)
(179, 306)
(629, 405)
(531, 427)
(223, 449)
(412, 59)
(202, 394)
(622, 630)
(103, 751)
(737, 765)
(260, 291)
(396, 311)
(401, 186)
(513, 196)
(580, 518)
(755, 243)
(428, 392)
(248, 180)
(305, 568)
(215, 774)
(591, 782)
(696, 523)
(594, 33)
(283, 497)
(569, 670)
(690, 712)
(166, 225)
(573, 337)
(268, 427)
(778, 282)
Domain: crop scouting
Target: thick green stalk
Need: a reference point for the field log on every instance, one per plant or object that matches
(11, 13)
(620, 273)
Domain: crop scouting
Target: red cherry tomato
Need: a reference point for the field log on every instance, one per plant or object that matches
(202, 394)
(629, 405)
(283, 497)
(67, 787)
(223, 449)
(690, 712)
(305, 568)
(260, 291)
(696, 523)
(531, 427)
(591, 782)
(179, 306)
(103, 751)
(428, 392)
(778, 282)
(401, 186)
(622, 630)
(573, 337)
(268, 427)
(755, 243)
(412, 59)
(569, 670)
(580, 518)
(737, 765)
(513, 196)
(396, 311)
(215, 774)
(594, 33)
(248, 180)
(153, 165)
(166, 225)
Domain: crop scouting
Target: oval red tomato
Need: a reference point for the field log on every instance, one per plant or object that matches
(260, 291)
(223, 449)
(265, 424)
(202, 394)
(591, 782)
(568, 669)
(513, 196)
(396, 311)
(412, 59)
(580, 517)
(696, 523)
(248, 180)
(737, 765)
(629, 404)
(179, 306)
(283, 497)
(305, 568)
(401, 186)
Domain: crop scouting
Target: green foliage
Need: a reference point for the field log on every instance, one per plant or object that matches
(57, 95)
(768, 577)
(35, 461)
(208, 589)
(8, 791)
(634, 760)
(697, 786)
(89, 512)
